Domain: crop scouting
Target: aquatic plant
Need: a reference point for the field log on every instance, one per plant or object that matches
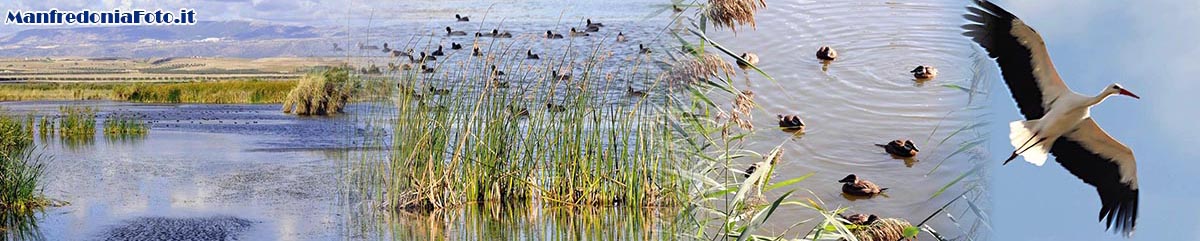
(77, 122)
(125, 124)
(731, 13)
(21, 169)
(320, 93)
(249, 91)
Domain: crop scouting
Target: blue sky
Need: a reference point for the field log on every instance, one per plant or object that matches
(1150, 47)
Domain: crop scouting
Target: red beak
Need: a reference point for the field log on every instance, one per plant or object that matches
(1130, 94)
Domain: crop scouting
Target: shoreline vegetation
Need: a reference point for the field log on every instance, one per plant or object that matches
(251, 91)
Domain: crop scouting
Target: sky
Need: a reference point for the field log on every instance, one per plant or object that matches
(1149, 47)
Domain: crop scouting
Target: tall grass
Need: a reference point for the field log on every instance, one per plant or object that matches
(320, 93)
(250, 91)
(21, 169)
(125, 124)
(77, 122)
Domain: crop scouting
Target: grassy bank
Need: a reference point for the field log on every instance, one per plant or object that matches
(214, 92)
(320, 93)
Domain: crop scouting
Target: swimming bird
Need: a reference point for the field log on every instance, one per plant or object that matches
(461, 18)
(497, 72)
(427, 58)
(552, 35)
(555, 108)
(790, 123)
(438, 52)
(592, 29)
(577, 33)
(530, 55)
(643, 49)
(426, 69)
(596, 24)
(633, 92)
(450, 32)
(750, 59)
(565, 76)
(860, 219)
(498, 34)
(826, 53)
(900, 148)
(476, 52)
(489, 34)
(621, 37)
(437, 91)
(385, 48)
(923, 72)
(454, 45)
(1057, 119)
(398, 53)
(855, 186)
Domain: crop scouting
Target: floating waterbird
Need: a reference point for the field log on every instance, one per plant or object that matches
(826, 53)
(750, 59)
(900, 148)
(530, 55)
(621, 37)
(790, 122)
(552, 35)
(923, 72)
(577, 33)
(438, 52)
(855, 186)
(461, 18)
(450, 32)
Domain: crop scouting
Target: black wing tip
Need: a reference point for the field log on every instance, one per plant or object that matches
(1119, 211)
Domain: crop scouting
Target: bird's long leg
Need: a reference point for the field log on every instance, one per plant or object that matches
(1015, 153)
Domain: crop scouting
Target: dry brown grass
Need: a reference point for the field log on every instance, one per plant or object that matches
(322, 93)
(695, 70)
(887, 229)
(732, 13)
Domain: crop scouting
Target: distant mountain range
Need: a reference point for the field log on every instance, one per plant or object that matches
(210, 39)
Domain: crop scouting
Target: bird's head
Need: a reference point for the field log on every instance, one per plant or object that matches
(849, 179)
(1117, 89)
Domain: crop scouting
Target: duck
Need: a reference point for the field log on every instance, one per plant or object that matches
(621, 37)
(478, 34)
(398, 53)
(497, 72)
(900, 148)
(750, 60)
(476, 52)
(530, 55)
(438, 52)
(498, 34)
(427, 58)
(426, 69)
(594, 24)
(860, 219)
(791, 123)
(854, 186)
(385, 48)
(462, 18)
(924, 72)
(555, 108)
(454, 45)
(643, 49)
(637, 93)
(575, 33)
(552, 35)
(826, 53)
(565, 76)
(437, 91)
(591, 29)
(450, 32)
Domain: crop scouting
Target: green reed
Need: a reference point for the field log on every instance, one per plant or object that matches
(77, 122)
(125, 124)
(21, 169)
(210, 92)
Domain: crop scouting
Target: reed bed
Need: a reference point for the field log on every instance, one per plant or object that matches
(125, 124)
(21, 169)
(320, 93)
(77, 122)
(249, 91)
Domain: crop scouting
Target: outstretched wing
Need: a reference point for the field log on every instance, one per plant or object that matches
(1021, 54)
(1098, 159)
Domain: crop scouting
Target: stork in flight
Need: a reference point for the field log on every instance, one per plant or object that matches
(1058, 120)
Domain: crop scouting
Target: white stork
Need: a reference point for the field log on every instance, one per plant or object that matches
(1057, 119)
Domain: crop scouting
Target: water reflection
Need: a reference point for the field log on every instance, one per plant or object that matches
(19, 226)
(524, 222)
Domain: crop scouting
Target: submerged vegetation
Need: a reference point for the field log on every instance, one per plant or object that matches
(212, 92)
(320, 93)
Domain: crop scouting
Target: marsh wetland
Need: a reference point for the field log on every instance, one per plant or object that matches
(596, 139)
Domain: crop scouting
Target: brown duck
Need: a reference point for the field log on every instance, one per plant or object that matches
(924, 72)
(900, 148)
(791, 123)
(826, 53)
(860, 219)
(854, 186)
